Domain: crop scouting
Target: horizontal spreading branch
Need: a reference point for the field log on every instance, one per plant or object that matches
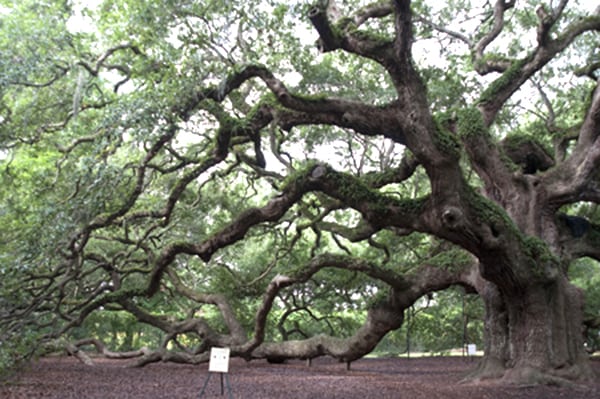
(318, 178)
(383, 316)
(75, 349)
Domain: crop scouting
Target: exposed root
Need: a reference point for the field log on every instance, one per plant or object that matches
(529, 376)
(492, 371)
(488, 369)
(74, 349)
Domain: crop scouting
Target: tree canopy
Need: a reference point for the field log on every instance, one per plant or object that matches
(287, 178)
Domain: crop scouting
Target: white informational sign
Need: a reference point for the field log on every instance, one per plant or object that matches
(219, 360)
(471, 349)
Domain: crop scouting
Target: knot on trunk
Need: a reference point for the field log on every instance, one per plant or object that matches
(318, 172)
(452, 217)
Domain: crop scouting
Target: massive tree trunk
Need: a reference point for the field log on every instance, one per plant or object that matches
(545, 333)
(534, 336)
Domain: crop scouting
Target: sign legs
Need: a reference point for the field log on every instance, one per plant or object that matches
(224, 383)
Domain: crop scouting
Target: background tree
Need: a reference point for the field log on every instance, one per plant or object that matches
(206, 169)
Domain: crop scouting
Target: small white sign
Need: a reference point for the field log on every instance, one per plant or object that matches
(219, 360)
(471, 349)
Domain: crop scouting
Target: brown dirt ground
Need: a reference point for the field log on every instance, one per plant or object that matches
(420, 378)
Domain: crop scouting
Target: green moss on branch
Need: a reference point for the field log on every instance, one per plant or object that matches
(506, 79)
(471, 124)
(380, 207)
(444, 139)
(543, 260)
(300, 174)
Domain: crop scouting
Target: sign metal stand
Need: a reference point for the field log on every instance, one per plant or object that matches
(219, 363)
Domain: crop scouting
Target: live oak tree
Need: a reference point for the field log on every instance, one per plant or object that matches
(193, 162)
